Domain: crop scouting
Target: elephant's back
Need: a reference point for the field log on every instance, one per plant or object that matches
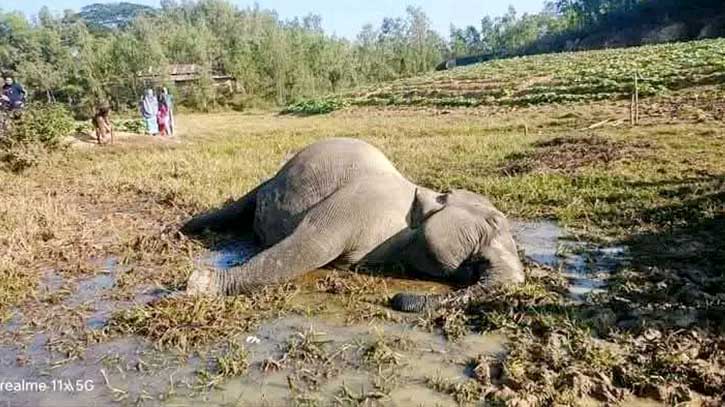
(313, 174)
(342, 153)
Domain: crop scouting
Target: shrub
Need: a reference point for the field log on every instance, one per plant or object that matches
(20, 156)
(315, 106)
(43, 124)
(129, 125)
(30, 135)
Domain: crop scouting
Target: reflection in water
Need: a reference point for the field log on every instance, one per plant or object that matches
(587, 267)
(231, 254)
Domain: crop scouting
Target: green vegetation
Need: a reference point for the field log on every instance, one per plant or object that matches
(45, 124)
(185, 324)
(315, 106)
(111, 52)
(233, 362)
(567, 25)
(29, 137)
(558, 78)
(129, 125)
(101, 16)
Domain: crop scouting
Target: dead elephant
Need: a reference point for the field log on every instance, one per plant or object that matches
(341, 202)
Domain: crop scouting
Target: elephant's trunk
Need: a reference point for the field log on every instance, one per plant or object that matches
(408, 302)
(503, 270)
(272, 266)
(237, 280)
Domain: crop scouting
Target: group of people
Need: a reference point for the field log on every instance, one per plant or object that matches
(158, 112)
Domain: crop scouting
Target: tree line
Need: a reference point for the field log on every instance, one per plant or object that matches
(585, 24)
(104, 53)
(108, 52)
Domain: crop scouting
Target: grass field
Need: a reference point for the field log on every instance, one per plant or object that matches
(657, 188)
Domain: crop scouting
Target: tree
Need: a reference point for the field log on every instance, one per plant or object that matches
(112, 15)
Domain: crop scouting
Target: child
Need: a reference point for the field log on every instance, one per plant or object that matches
(163, 117)
(102, 124)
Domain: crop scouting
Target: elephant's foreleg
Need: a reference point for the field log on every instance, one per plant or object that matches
(238, 214)
(307, 249)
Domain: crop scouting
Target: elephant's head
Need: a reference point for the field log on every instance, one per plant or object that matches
(462, 236)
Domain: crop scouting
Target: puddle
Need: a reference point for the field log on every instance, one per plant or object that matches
(128, 371)
(429, 355)
(586, 266)
(82, 382)
(230, 254)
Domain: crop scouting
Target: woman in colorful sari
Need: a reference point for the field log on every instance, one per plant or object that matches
(163, 116)
(149, 109)
(170, 104)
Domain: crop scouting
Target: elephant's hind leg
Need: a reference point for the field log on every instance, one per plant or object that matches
(234, 216)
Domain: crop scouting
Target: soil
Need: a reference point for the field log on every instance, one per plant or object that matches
(570, 153)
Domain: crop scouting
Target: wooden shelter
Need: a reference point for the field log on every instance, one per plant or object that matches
(186, 74)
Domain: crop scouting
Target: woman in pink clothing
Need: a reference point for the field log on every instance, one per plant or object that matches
(163, 116)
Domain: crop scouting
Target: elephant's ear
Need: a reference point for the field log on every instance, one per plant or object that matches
(426, 203)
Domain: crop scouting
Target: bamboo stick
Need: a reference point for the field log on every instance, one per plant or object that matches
(636, 98)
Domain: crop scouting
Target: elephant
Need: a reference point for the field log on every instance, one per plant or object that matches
(340, 202)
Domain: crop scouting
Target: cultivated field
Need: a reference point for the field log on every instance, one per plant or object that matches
(565, 77)
(91, 259)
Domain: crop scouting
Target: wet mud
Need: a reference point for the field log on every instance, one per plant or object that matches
(130, 371)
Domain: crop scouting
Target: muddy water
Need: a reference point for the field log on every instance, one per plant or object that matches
(430, 355)
(586, 266)
(127, 371)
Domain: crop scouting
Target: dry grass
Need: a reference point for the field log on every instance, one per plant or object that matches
(127, 201)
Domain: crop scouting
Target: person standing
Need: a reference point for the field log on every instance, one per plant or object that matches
(102, 124)
(13, 93)
(163, 116)
(170, 105)
(149, 107)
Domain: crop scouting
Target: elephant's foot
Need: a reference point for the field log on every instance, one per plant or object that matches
(407, 302)
(202, 282)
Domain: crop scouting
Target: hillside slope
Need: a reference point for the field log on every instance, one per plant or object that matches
(554, 78)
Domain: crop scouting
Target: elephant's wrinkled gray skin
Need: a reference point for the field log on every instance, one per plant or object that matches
(341, 202)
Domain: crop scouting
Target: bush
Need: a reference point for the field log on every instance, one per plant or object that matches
(129, 125)
(43, 124)
(32, 134)
(315, 106)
